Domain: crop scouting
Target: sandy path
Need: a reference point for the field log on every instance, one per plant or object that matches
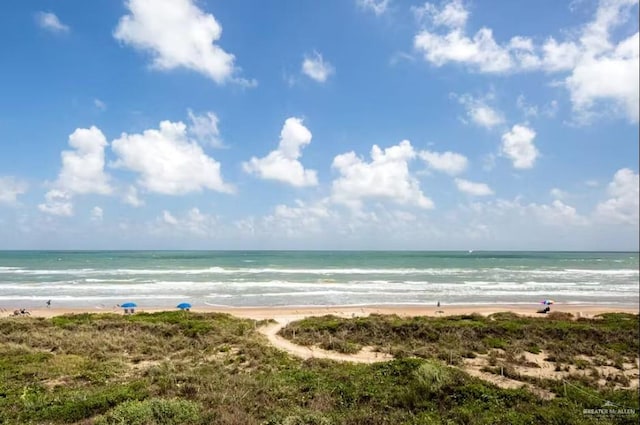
(308, 352)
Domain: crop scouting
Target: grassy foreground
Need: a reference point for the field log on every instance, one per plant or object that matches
(181, 368)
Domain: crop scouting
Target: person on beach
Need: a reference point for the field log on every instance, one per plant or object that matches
(48, 303)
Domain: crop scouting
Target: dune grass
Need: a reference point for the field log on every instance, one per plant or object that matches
(612, 336)
(178, 367)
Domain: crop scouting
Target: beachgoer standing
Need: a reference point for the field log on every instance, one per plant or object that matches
(48, 303)
(438, 303)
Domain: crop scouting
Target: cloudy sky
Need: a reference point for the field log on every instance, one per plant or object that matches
(335, 124)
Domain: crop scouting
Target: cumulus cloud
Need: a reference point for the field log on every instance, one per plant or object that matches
(612, 76)
(481, 51)
(387, 177)
(168, 162)
(282, 164)
(622, 206)
(518, 146)
(447, 162)
(82, 171)
(50, 22)
(204, 128)
(316, 68)
(378, 7)
(472, 188)
(596, 69)
(57, 202)
(83, 168)
(10, 189)
(479, 111)
(177, 33)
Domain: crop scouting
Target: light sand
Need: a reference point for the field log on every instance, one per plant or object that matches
(287, 314)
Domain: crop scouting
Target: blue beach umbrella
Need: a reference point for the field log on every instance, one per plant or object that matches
(184, 306)
(129, 305)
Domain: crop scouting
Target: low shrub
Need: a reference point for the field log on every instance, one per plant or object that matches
(155, 411)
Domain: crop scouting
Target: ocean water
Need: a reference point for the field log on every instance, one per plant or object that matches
(314, 278)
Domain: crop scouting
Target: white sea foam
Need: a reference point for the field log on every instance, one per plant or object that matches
(250, 284)
(322, 272)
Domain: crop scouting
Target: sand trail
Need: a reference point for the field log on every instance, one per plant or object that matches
(309, 352)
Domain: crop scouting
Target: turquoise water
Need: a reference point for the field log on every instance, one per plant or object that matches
(299, 278)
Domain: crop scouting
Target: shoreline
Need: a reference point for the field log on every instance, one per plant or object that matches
(290, 313)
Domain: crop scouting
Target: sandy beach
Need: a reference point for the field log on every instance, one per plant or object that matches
(287, 314)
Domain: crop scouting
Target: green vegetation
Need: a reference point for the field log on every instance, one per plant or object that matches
(611, 336)
(186, 368)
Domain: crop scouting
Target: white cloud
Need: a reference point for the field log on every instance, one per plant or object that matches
(532, 111)
(601, 72)
(131, 197)
(320, 223)
(378, 7)
(192, 223)
(83, 168)
(282, 164)
(82, 172)
(448, 162)
(10, 189)
(316, 68)
(479, 112)
(97, 214)
(204, 128)
(452, 15)
(558, 57)
(472, 188)
(177, 33)
(50, 22)
(300, 220)
(387, 176)
(612, 77)
(57, 202)
(622, 206)
(558, 214)
(168, 162)
(168, 218)
(510, 213)
(558, 193)
(481, 51)
(518, 146)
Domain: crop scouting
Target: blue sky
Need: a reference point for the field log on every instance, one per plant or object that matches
(344, 124)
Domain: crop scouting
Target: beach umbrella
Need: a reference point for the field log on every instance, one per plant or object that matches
(547, 302)
(129, 305)
(184, 306)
